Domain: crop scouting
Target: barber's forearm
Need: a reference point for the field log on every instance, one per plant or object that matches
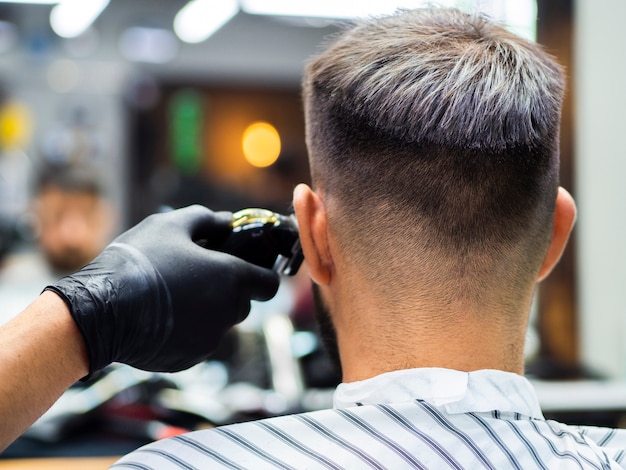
(42, 353)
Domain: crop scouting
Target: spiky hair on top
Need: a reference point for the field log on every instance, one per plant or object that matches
(443, 77)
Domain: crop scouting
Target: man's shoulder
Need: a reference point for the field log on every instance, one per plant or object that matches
(608, 438)
(265, 443)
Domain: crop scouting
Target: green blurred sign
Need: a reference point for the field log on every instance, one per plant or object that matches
(185, 128)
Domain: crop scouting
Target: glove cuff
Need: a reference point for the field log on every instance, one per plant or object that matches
(67, 301)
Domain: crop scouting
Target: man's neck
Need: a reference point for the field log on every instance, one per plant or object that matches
(375, 341)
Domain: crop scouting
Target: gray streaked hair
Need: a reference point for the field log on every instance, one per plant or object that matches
(443, 126)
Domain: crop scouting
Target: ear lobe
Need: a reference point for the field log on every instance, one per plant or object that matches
(564, 219)
(312, 224)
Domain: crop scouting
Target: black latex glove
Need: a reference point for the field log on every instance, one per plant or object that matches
(156, 300)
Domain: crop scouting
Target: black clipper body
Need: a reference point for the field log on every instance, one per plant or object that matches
(267, 239)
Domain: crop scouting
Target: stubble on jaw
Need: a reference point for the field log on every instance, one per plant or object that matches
(327, 332)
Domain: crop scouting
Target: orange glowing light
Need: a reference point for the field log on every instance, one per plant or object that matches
(261, 144)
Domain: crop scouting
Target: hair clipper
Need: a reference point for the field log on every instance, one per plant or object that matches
(265, 238)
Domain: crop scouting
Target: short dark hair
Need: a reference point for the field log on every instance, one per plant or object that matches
(81, 178)
(434, 133)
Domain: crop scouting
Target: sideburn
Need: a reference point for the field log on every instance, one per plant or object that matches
(327, 332)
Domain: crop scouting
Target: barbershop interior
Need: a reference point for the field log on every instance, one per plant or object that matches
(154, 105)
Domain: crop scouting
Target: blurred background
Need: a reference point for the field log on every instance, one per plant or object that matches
(111, 110)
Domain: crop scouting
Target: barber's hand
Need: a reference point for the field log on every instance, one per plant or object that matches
(156, 300)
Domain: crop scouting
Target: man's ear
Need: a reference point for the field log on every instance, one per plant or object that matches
(312, 224)
(564, 218)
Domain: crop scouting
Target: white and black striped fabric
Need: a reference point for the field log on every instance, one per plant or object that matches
(419, 418)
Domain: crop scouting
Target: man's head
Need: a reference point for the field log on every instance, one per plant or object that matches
(433, 147)
(75, 220)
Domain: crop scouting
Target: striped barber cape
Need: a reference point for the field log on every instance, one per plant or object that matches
(418, 418)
